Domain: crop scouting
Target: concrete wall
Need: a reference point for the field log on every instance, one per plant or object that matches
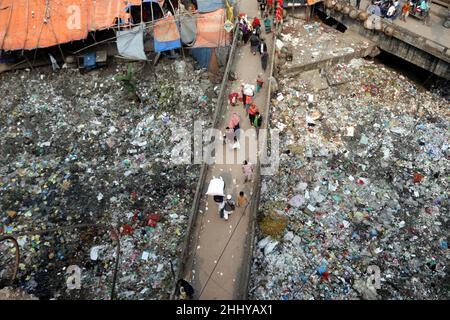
(405, 44)
(327, 63)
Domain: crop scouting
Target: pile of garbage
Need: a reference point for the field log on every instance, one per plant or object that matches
(303, 43)
(84, 166)
(363, 184)
(14, 294)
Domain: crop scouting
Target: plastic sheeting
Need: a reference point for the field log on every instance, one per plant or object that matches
(167, 36)
(216, 187)
(188, 29)
(202, 56)
(130, 43)
(210, 5)
(210, 30)
(26, 24)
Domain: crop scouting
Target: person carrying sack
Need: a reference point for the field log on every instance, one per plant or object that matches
(229, 207)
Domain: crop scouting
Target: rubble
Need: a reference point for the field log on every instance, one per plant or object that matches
(366, 184)
(302, 44)
(9, 293)
(78, 150)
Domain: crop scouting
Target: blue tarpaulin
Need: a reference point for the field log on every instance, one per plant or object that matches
(210, 5)
(203, 56)
(166, 34)
(90, 60)
(167, 45)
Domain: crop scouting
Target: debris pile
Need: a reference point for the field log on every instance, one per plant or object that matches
(363, 182)
(303, 44)
(87, 165)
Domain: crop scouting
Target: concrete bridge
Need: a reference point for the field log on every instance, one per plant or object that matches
(426, 46)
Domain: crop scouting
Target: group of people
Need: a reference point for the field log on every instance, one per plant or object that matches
(418, 7)
(227, 207)
(391, 9)
(251, 32)
(248, 93)
(248, 32)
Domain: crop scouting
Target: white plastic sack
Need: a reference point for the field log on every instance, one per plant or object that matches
(216, 186)
(249, 90)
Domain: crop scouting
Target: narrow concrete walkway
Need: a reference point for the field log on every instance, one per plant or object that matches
(435, 31)
(215, 265)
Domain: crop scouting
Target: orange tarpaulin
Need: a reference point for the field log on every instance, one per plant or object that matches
(210, 30)
(29, 24)
(311, 2)
(166, 30)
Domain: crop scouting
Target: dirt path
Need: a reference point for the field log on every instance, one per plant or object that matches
(219, 252)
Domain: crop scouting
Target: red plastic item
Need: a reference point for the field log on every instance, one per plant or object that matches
(155, 217)
(127, 229)
(233, 97)
(418, 177)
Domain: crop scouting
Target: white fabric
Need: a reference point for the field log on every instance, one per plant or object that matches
(130, 43)
(391, 11)
(215, 188)
(249, 90)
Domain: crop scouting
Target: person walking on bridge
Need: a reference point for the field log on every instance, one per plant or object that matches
(405, 11)
(247, 169)
(267, 23)
(259, 83)
(229, 207)
(243, 94)
(262, 6)
(264, 55)
(270, 6)
(249, 91)
(257, 122)
(425, 8)
(256, 25)
(254, 42)
(228, 137)
(252, 112)
(234, 122)
(278, 19)
(242, 200)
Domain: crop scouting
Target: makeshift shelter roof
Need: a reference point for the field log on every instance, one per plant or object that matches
(210, 30)
(29, 24)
